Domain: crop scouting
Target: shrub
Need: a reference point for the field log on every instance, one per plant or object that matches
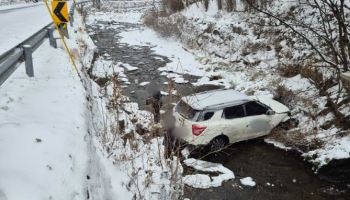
(165, 26)
(238, 30)
(219, 4)
(313, 75)
(230, 5)
(174, 5)
(206, 4)
(285, 96)
(289, 70)
(150, 19)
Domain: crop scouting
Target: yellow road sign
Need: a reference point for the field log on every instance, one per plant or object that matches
(60, 11)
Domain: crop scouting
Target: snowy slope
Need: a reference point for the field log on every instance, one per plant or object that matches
(42, 130)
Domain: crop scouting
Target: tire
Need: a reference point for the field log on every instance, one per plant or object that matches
(217, 144)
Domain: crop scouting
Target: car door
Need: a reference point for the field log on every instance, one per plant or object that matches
(258, 123)
(233, 125)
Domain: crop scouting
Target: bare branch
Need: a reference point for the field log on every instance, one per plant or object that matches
(295, 31)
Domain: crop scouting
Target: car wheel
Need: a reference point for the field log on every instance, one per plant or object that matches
(217, 144)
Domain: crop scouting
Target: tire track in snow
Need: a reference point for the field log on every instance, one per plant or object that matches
(98, 182)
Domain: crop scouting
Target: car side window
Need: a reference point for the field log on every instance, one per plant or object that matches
(233, 112)
(253, 108)
(208, 115)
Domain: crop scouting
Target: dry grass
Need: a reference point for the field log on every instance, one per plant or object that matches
(239, 30)
(285, 96)
(289, 70)
(164, 25)
(174, 5)
(253, 47)
(312, 74)
(151, 19)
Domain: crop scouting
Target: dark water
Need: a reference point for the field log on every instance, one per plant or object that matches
(278, 174)
(291, 177)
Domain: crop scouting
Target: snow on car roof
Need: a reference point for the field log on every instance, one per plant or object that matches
(215, 98)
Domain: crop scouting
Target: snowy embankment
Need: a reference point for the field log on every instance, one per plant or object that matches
(183, 62)
(43, 130)
(46, 149)
(205, 181)
(235, 52)
(115, 119)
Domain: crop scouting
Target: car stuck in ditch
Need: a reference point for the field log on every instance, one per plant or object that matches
(220, 117)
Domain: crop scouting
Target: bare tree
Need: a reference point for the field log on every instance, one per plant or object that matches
(230, 5)
(219, 4)
(325, 29)
(206, 4)
(174, 5)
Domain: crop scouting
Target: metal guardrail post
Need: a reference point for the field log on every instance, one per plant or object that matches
(52, 39)
(28, 59)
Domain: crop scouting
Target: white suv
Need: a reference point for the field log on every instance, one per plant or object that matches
(220, 117)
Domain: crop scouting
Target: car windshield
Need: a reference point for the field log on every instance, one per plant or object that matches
(185, 110)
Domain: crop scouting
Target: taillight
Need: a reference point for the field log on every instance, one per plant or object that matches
(197, 129)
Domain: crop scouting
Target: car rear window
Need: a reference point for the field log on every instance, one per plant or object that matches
(185, 110)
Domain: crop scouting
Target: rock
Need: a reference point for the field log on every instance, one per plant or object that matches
(140, 130)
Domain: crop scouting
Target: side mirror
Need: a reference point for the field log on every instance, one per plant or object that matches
(270, 112)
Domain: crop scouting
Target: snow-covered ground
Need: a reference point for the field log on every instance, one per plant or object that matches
(247, 181)
(183, 62)
(62, 136)
(115, 120)
(43, 150)
(205, 181)
(47, 151)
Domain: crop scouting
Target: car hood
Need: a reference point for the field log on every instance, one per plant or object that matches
(273, 104)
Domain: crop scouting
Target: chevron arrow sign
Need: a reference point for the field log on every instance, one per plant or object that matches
(60, 11)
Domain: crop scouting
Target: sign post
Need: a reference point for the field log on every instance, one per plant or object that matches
(60, 15)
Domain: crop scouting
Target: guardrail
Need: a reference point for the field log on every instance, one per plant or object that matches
(10, 60)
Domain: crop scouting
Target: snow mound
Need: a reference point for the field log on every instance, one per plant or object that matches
(128, 67)
(336, 149)
(205, 181)
(144, 83)
(247, 181)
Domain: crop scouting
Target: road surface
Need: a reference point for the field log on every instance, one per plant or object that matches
(18, 24)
